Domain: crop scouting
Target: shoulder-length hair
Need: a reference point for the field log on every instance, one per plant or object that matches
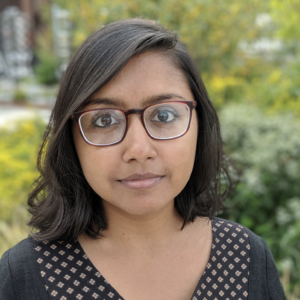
(62, 204)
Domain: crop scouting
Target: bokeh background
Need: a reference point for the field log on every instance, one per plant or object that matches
(248, 53)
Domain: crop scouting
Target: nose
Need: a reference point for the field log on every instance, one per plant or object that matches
(138, 146)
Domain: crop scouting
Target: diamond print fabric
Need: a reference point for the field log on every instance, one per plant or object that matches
(68, 273)
(227, 272)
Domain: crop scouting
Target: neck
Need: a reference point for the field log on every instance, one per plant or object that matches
(146, 229)
(140, 238)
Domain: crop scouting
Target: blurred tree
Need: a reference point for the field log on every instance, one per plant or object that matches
(285, 15)
(266, 151)
(211, 30)
(46, 62)
(283, 83)
(229, 40)
(46, 68)
(276, 87)
(18, 152)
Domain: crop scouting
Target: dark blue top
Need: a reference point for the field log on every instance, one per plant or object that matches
(240, 267)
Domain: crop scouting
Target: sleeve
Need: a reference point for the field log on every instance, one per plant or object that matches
(264, 282)
(275, 289)
(7, 289)
(20, 277)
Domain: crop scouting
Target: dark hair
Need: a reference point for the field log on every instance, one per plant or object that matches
(62, 204)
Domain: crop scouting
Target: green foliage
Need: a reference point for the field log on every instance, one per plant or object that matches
(13, 232)
(213, 32)
(19, 146)
(266, 151)
(47, 62)
(286, 17)
(278, 90)
(19, 96)
(211, 29)
(46, 67)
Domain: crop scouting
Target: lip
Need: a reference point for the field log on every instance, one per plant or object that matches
(141, 181)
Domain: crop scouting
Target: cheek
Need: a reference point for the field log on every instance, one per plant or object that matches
(97, 166)
(95, 162)
(181, 154)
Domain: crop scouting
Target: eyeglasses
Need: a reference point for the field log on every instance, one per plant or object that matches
(108, 126)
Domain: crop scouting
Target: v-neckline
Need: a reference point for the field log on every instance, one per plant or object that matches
(201, 279)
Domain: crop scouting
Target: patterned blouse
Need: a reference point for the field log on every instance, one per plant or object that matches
(69, 274)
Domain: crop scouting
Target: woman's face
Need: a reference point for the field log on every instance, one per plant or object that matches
(140, 175)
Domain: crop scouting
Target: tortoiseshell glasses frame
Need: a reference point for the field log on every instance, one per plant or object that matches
(77, 116)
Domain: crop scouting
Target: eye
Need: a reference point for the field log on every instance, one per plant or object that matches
(164, 116)
(104, 120)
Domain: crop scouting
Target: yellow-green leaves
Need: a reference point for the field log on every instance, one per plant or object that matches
(19, 146)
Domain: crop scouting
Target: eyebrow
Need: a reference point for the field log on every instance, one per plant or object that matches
(116, 102)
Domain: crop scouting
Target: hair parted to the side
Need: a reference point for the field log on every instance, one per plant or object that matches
(62, 204)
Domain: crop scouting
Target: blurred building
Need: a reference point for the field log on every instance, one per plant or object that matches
(32, 11)
(20, 21)
(20, 24)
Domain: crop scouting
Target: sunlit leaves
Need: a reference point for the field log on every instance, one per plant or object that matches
(19, 146)
(266, 150)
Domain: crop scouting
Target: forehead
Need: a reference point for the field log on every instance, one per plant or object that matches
(147, 76)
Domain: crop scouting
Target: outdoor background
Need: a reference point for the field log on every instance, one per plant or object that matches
(248, 53)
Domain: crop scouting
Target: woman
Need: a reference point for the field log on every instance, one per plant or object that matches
(130, 184)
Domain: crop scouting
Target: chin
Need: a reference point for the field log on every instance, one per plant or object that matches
(141, 206)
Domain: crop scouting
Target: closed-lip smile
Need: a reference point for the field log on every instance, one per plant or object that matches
(141, 181)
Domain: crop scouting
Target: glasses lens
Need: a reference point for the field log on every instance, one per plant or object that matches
(103, 127)
(167, 120)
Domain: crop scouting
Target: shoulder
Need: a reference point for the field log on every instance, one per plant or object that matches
(22, 250)
(257, 244)
(16, 258)
(234, 234)
(233, 228)
(19, 273)
(264, 280)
